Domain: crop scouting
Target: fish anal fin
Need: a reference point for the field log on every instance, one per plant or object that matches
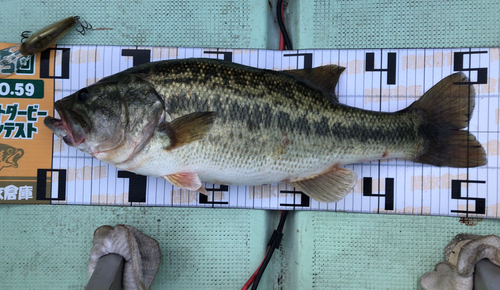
(330, 186)
(187, 180)
(187, 129)
(323, 77)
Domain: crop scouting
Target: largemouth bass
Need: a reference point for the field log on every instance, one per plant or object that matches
(197, 120)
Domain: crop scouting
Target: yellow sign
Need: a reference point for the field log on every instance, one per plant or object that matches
(25, 143)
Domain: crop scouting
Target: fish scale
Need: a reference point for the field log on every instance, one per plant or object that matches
(311, 120)
(332, 123)
(219, 122)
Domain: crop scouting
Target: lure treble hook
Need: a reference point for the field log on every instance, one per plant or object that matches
(25, 35)
(82, 25)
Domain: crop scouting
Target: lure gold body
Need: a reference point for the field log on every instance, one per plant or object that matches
(47, 36)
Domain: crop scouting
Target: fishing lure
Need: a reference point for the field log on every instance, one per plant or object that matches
(32, 43)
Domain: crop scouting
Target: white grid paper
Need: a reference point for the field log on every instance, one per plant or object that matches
(418, 189)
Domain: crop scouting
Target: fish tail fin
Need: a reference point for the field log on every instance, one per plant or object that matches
(448, 108)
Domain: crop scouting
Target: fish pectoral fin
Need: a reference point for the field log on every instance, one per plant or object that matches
(186, 180)
(330, 186)
(187, 129)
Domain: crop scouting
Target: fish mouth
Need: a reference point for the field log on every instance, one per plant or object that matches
(72, 130)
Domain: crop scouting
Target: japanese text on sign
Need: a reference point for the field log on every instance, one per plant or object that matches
(20, 124)
(12, 192)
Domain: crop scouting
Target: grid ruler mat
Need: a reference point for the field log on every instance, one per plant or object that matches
(49, 171)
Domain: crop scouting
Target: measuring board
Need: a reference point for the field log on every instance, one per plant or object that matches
(386, 80)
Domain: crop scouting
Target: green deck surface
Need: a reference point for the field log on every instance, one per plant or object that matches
(47, 247)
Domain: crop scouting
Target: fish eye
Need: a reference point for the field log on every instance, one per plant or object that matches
(83, 95)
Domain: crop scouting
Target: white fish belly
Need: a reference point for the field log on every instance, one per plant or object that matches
(231, 162)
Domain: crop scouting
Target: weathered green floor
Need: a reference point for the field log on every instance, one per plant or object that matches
(46, 247)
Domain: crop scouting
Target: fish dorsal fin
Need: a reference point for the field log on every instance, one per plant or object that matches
(330, 186)
(187, 129)
(323, 77)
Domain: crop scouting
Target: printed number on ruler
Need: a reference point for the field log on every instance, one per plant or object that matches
(389, 191)
(304, 199)
(391, 66)
(203, 199)
(456, 193)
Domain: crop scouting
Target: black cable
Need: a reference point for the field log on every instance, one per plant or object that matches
(274, 243)
(288, 43)
(275, 240)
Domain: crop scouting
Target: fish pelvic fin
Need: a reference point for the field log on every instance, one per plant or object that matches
(447, 108)
(186, 180)
(187, 129)
(323, 77)
(330, 186)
